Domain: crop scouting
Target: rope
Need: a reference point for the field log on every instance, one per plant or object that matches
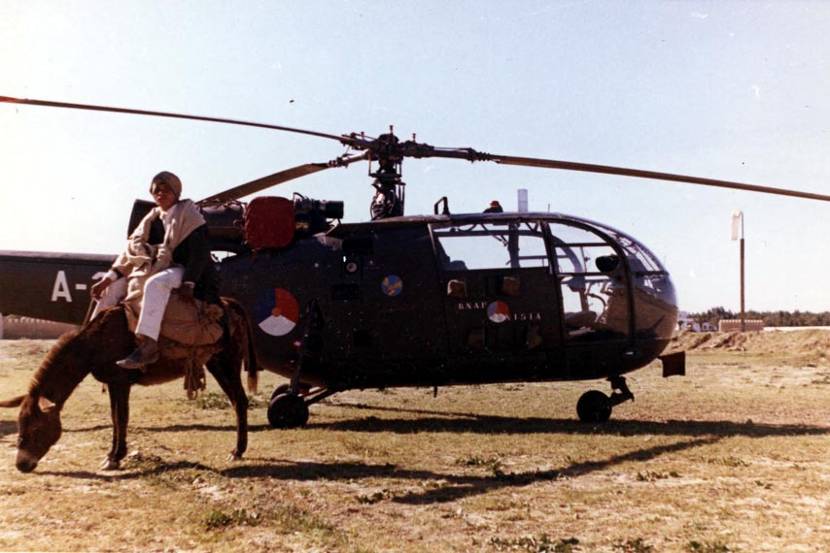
(195, 380)
(194, 377)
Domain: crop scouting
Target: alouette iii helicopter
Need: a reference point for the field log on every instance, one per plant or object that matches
(425, 300)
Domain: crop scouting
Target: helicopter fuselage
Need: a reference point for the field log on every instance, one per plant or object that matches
(455, 299)
(420, 300)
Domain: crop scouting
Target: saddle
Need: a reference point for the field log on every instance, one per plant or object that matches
(190, 334)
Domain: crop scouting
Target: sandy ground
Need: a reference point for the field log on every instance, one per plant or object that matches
(733, 457)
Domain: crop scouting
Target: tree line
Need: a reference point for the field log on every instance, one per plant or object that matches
(771, 318)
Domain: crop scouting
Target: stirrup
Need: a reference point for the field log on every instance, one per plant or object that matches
(139, 358)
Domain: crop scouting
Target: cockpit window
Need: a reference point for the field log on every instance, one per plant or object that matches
(640, 258)
(647, 272)
(654, 297)
(577, 250)
(491, 246)
(592, 284)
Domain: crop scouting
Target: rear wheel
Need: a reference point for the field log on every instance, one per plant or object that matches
(593, 406)
(287, 411)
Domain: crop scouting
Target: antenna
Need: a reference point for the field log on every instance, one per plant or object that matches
(522, 194)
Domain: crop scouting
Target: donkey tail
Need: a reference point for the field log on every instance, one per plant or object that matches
(250, 361)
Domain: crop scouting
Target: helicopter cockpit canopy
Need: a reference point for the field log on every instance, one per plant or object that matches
(609, 284)
(649, 274)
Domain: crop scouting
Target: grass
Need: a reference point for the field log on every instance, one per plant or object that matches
(217, 519)
(707, 547)
(731, 458)
(636, 545)
(535, 544)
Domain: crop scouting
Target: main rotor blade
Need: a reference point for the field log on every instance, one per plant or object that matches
(473, 155)
(90, 107)
(627, 172)
(286, 175)
(412, 149)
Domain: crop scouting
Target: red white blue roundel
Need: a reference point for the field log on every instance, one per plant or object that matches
(392, 285)
(498, 312)
(277, 312)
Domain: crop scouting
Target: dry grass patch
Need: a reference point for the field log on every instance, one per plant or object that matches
(731, 458)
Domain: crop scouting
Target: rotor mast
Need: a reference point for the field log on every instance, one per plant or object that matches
(389, 197)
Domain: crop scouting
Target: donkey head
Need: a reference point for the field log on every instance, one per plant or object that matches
(39, 427)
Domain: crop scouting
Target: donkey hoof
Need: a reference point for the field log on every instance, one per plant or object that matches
(110, 464)
(234, 456)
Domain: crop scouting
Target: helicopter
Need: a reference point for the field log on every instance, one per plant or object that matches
(408, 300)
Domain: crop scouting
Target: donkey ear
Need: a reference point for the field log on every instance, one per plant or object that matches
(14, 402)
(45, 404)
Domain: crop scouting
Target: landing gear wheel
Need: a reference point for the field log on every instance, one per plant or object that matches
(287, 411)
(593, 406)
(280, 390)
(286, 388)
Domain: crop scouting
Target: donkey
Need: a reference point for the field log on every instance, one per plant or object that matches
(94, 349)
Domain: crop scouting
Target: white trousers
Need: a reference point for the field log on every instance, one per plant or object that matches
(154, 303)
(156, 293)
(114, 293)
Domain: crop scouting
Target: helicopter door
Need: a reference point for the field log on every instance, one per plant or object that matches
(595, 298)
(500, 295)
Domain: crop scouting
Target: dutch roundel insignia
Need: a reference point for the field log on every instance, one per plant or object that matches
(392, 285)
(498, 312)
(277, 312)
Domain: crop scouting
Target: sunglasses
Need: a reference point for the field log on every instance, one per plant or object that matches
(161, 189)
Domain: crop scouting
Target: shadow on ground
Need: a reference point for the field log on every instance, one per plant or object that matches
(438, 421)
(444, 486)
(445, 421)
(7, 428)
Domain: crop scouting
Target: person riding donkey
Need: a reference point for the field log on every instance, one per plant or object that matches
(167, 251)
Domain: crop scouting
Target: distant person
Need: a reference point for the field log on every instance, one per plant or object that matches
(168, 250)
(495, 207)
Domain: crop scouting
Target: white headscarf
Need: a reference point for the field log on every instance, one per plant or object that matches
(145, 259)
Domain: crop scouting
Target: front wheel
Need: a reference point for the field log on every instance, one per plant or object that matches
(287, 411)
(593, 406)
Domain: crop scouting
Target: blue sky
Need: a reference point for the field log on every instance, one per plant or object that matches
(731, 90)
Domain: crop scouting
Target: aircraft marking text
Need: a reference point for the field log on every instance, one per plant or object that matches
(61, 289)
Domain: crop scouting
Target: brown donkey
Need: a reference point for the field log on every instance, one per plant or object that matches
(94, 349)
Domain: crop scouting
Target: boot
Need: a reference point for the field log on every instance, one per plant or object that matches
(146, 353)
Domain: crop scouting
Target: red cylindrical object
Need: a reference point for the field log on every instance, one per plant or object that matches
(269, 222)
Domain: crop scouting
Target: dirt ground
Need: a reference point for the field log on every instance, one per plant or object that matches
(735, 456)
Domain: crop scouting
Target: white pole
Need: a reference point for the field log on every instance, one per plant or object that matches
(738, 232)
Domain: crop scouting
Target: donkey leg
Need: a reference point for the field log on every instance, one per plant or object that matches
(227, 374)
(120, 413)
